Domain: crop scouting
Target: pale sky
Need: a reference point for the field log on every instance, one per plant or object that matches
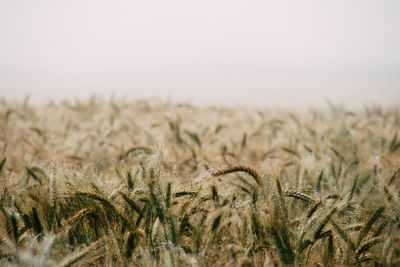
(248, 52)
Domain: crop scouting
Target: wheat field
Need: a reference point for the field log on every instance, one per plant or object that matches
(154, 183)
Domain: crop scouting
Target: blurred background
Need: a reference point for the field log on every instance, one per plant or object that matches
(262, 53)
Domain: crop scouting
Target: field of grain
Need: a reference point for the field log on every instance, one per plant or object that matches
(152, 183)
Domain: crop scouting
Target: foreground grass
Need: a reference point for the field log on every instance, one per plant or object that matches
(152, 183)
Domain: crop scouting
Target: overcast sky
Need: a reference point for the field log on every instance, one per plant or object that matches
(234, 52)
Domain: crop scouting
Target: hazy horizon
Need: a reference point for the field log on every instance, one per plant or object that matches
(230, 52)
